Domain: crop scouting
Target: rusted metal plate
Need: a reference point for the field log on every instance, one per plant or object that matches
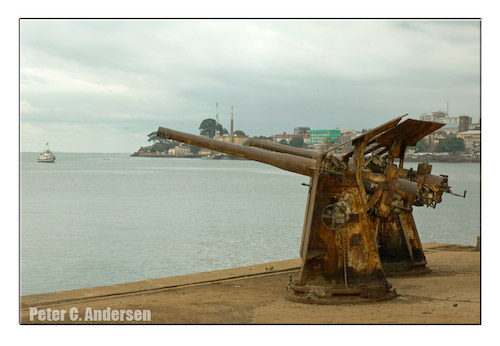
(409, 131)
(367, 136)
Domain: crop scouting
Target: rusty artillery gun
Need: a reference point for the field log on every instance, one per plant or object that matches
(350, 201)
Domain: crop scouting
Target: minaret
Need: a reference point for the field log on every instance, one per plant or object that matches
(232, 125)
(216, 119)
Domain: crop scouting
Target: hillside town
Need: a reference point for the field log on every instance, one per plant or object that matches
(458, 140)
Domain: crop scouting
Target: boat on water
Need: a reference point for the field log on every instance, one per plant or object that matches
(46, 155)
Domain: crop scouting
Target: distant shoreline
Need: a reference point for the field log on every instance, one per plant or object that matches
(426, 158)
(192, 156)
(431, 158)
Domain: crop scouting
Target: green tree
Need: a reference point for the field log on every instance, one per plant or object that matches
(450, 144)
(161, 147)
(420, 147)
(423, 146)
(158, 148)
(153, 137)
(239, 133)
(208, 126)
(284, 142)
(264, 138)
(297, 142)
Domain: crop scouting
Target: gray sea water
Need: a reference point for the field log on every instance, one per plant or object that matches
(102, 219)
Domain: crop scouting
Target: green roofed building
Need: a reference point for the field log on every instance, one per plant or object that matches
(320, 136)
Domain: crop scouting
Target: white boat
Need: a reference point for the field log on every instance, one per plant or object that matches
(46, 155)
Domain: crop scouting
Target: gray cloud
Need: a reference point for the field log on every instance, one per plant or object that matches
(114, 81)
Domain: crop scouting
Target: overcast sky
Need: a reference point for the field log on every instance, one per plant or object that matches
(103, 85)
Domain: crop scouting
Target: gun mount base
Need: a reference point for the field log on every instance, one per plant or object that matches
(325, 295)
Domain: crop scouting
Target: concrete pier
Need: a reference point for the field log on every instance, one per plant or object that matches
(256, 295)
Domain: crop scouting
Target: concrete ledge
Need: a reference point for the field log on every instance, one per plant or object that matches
(60, 297)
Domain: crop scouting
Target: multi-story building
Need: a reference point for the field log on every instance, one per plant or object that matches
(438, 117)
(205, 152)
(465, 123)
(301, 130)
(472, 139)
(345, 136)
(179, 150)
(436, 137)
(321, 136)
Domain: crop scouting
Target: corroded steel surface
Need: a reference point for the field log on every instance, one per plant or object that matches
(410, 131)
(344, 261)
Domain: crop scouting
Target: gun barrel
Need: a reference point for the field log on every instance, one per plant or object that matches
(287, 162)
(282, 148)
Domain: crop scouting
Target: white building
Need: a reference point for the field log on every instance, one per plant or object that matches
(438, 117)
(288, 137)
(179, 150)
